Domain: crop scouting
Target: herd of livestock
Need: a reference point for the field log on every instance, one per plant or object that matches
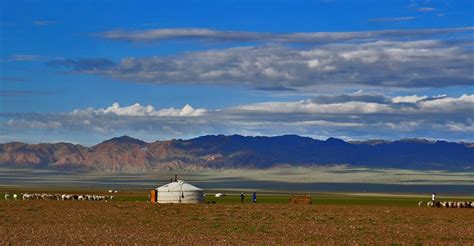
(57, 197)
(448, 204)
(77, 197)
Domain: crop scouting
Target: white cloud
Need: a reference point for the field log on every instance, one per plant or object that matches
(425, 9)
(139, 110)
(393, 19)
(239, 36)
(408, 99)
(393, 64)
(187, 110)
(467, 127)
(358, 115)
(357, 105)
(34, 124)
(449, 104)
(309, 107)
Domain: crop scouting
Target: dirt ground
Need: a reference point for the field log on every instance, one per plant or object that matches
(46, 222)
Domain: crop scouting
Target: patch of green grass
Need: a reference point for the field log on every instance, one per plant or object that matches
(448, 238)
(263, 199)
(317, 199)
(324, 199)
(320, 199)
(216, 225)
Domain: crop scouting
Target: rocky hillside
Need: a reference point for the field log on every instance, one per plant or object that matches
(129, 154)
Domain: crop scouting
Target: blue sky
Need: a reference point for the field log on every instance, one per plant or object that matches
(349, 69)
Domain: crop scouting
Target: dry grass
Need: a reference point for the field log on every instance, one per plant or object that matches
(45, 222)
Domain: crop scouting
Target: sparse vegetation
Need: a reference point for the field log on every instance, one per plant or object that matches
(229, 222)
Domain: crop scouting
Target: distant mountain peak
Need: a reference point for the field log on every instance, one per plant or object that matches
(416, 140)
(124, 140)
(335, 140)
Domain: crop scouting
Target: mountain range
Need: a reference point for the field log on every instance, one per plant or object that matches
(235, 151)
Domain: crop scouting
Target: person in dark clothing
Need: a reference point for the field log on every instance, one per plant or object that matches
(242, 197)
(254, 197)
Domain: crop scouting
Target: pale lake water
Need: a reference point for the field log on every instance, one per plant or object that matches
(275, 180)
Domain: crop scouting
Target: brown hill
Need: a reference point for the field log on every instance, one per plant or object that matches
(129, 154)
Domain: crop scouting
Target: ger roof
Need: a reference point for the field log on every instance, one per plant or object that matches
(178, 186)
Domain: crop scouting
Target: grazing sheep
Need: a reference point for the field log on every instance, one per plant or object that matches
(219, 195)
(420, 203)
(7, 196)
(449, 204)
(15, 197)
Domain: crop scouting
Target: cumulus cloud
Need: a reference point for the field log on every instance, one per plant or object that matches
(395, 64)
(241, 36)
(133, 119)
(365, 104)
(355, 116)
(408, 99)
(467, 127)
(139, 110)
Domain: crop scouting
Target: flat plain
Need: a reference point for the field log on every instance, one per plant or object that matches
(331, 219)
(349, 207)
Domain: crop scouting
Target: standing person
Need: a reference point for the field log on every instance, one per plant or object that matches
(254, 197)
(433, 200)
(242, 197)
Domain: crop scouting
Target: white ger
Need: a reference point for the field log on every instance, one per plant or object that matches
(179, 192)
